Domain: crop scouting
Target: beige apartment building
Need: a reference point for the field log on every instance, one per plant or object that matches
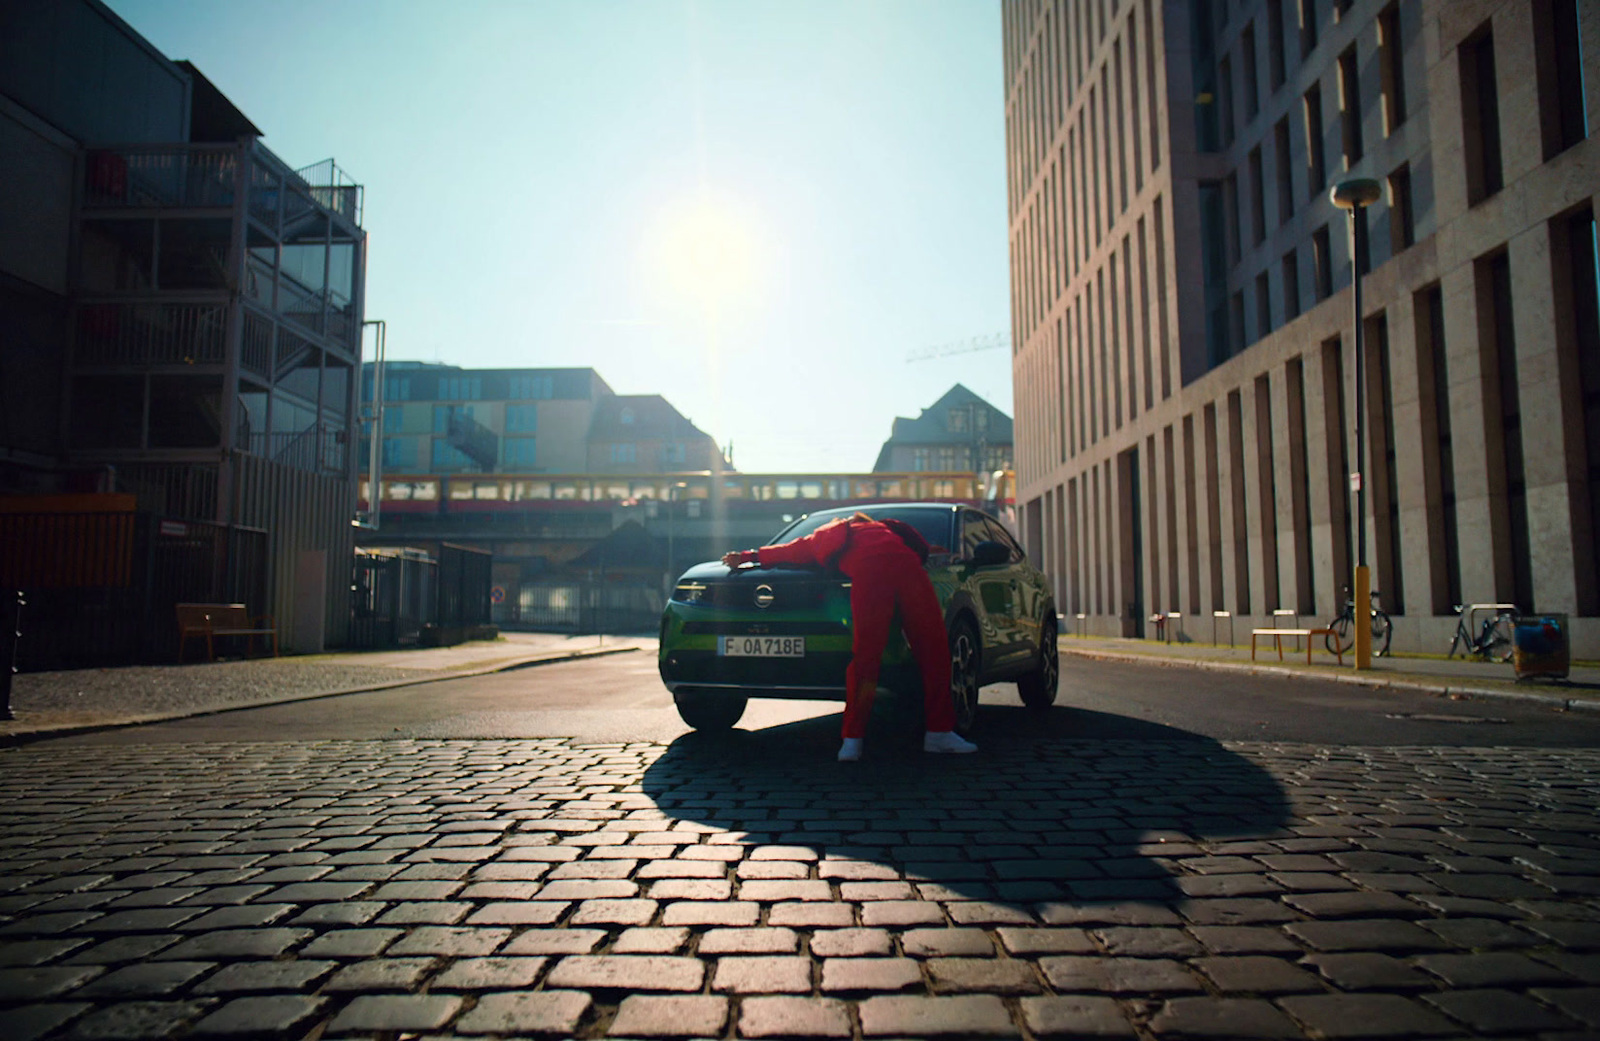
(1183, 319)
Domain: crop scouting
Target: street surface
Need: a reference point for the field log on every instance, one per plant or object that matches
(1167, 853)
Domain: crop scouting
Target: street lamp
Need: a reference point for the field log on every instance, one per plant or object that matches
(1354, 196)
(672, 505)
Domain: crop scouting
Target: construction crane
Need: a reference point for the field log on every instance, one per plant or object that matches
(991, 342)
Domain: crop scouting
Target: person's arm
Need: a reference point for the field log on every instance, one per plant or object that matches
(816, 549)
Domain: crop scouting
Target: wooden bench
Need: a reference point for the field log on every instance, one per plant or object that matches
(1278, 635)
(213, 620)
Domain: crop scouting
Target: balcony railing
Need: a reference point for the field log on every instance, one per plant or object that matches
(162, 177)
(319, 449)
(152, 334)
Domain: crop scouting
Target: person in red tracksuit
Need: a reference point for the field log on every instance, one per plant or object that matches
(885, 574)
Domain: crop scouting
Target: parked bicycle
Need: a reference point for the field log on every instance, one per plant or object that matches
(1494, 639)
(1343, 625)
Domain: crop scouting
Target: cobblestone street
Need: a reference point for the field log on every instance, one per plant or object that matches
(544, 887)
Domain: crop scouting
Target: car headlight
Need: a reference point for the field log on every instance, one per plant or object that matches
(689, 592)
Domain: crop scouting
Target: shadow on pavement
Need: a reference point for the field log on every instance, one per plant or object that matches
(1067, 806)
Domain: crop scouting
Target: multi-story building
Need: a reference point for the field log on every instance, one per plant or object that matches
(959, 432)
(1182, 305)
(443, 419)
(180, 310)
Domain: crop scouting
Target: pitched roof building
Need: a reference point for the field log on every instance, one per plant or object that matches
(959, 432)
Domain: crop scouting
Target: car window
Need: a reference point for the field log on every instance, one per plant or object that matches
(998, 533)
(974, 529)
(933, 524)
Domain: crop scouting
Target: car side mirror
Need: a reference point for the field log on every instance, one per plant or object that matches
(988, 554)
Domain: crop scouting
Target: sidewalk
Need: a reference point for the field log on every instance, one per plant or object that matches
(53, 703)
(1454, 677)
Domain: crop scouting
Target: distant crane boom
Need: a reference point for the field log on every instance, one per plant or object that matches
(991, 342)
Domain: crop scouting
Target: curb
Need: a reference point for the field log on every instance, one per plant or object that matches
(1442, 688)
(73, 730)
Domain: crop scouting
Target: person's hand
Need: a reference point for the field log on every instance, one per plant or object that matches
(734, 558)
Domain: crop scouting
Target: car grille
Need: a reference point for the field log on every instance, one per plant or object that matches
(778, 627)
(787, 596)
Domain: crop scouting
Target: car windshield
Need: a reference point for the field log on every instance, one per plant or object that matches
(934, 524)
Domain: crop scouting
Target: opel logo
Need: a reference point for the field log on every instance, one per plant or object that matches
(764, 595)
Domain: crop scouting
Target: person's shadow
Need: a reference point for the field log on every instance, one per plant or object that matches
(1064, 806)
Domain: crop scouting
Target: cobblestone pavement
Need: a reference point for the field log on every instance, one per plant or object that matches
(395, 889)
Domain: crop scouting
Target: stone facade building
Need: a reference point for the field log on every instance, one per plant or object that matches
(1182, 306)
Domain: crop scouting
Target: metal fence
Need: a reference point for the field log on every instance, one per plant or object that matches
(101, 587)
(591, 604)
(405, 595)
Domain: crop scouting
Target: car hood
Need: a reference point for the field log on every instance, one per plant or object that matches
(716, 571)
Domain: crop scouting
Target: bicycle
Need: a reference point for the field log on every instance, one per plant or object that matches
(1343, 625)
(1495, 637)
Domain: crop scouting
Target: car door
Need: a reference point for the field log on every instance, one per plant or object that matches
(990, 590)
(1028, 592)
(1020, 635)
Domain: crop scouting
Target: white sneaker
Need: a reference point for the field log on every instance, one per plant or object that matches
(850, 749)
(946, 741)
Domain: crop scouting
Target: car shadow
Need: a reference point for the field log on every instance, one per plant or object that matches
(1066, 806)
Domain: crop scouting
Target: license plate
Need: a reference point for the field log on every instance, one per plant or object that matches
(761, 646)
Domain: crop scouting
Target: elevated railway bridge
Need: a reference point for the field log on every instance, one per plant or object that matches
(592, 552)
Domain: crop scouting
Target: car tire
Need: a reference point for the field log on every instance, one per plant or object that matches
(1038, 688)
(965, 666)
(712, 712)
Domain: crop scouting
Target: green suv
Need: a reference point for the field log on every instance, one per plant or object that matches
(729, 635)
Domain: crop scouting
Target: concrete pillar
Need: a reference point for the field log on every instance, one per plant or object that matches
(1548, 423)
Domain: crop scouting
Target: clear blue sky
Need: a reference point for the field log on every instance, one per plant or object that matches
(756, 209)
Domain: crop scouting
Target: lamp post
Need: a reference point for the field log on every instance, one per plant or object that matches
(1354, 196)
(672, 506)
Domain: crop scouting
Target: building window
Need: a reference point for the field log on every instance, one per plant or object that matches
(1252, 88)
(1316, 167)
(624, 453)
(956, 420)
(1558, 48)
(1258, 199)
(1225, 102)
(1494, 277)
(531, 388)
(522, 419)
(1230, 215)
(441, 416)
(1275, 64)
(1392, 69)
(400, 452)
(1322, 262)
(673, 454)
(1280, 146)
(626, 418)
(1402, 221)
(1291, 286)
(517, 451)
(1480, 112)
(1434, 393)
(1263, 305)
(919, 460)
(448, 457)
(1350, 107)
(1308, 27)
(1214, 271)
(460, 388)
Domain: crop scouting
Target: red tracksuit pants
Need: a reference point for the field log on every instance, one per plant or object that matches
(878, 587)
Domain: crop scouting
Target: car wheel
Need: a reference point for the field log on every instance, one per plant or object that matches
(1038, 688)
(705, 710)
(964, 665)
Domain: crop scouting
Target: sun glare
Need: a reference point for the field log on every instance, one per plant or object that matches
(704, 253)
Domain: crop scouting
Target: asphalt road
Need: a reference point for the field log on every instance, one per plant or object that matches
(620, 698)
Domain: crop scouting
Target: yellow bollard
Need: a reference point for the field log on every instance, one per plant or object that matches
(1363, 617)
